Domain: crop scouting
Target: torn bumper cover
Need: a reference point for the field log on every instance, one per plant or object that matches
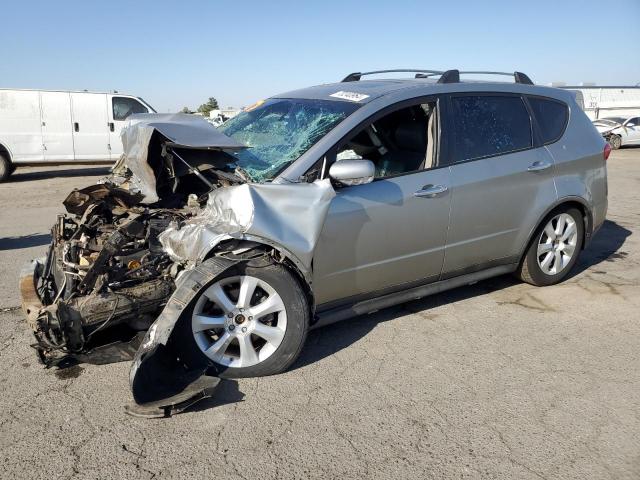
(159, 381)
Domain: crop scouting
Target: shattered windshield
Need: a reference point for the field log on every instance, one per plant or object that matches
(279, 131)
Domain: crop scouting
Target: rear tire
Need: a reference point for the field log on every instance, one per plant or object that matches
(615, 141)
(270, 281)
(554, 249)
(6, 168)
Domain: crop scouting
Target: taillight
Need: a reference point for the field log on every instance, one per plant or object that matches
(607, 151)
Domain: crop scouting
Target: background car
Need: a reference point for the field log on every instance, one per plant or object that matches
(619, 131)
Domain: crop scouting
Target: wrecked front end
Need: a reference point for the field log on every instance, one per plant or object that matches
(133, 251)
(106, 277)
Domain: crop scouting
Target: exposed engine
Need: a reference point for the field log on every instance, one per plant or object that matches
(105, 267)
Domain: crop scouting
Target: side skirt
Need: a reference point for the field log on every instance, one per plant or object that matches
(363, 307)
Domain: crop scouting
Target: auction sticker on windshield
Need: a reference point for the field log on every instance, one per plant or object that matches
(352, 96)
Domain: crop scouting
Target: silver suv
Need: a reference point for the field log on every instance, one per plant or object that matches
(315, 206)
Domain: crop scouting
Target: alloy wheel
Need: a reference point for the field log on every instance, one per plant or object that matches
(239, 321)
(557, 244)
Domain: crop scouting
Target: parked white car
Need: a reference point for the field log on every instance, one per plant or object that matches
(57, 127)
(619, 131)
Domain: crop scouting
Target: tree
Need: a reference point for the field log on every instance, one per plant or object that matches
(205, 108)
(186, 110)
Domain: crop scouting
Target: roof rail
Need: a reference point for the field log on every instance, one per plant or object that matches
(355, 76)
(453, 76)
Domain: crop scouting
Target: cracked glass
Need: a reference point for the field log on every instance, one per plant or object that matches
(279, 131)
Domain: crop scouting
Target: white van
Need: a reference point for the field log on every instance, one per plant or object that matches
(56, 127)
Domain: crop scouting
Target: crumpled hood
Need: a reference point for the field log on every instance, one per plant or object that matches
(608, 127)
(181, 130)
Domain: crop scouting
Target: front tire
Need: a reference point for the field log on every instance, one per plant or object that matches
(250, 322)
(554, 249)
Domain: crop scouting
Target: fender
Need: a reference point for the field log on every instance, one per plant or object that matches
(588, 224)
(284, 252)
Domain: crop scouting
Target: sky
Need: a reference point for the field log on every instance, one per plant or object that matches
(176, 54)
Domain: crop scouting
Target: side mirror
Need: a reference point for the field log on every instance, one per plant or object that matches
(630, 125)
(352, 172)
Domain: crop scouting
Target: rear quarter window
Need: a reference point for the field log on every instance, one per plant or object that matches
(551, 117)
(488, 125)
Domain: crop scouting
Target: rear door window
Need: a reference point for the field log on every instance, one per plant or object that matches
(489, 125)
(551, 117)
(124, 106)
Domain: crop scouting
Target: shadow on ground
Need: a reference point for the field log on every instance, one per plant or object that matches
(605, 247)
(25, 241)
(19, 176)
(226, 392)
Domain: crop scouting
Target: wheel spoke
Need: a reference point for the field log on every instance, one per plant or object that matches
(561, 223)
(247, 288)
(551, 234)
(205, 322)
(544, 248)
(219, 347)
(272, 335)
(568, 249)
(217, 295)
(557, 264)
(272, 304)
(547, 260)
(569, 231)
(248, 355)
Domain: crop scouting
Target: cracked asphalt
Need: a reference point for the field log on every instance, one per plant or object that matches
(495, 380)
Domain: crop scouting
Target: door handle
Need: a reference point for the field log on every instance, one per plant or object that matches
(111, 126)
(538, 166)
(76, 126)
(430, 191)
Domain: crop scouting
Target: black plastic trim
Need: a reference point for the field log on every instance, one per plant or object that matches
(327, 317)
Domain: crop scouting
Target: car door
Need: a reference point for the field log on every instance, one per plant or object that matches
(90, 130)
(57, 129)
(120, 108)
(632, 128)
(500, 183)
(383, 235)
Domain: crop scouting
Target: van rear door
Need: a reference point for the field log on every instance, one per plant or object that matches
(57, 137)
(120, 107)
(90, 126)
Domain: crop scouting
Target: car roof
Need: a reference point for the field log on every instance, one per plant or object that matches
(371, 88)
(368, 90)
